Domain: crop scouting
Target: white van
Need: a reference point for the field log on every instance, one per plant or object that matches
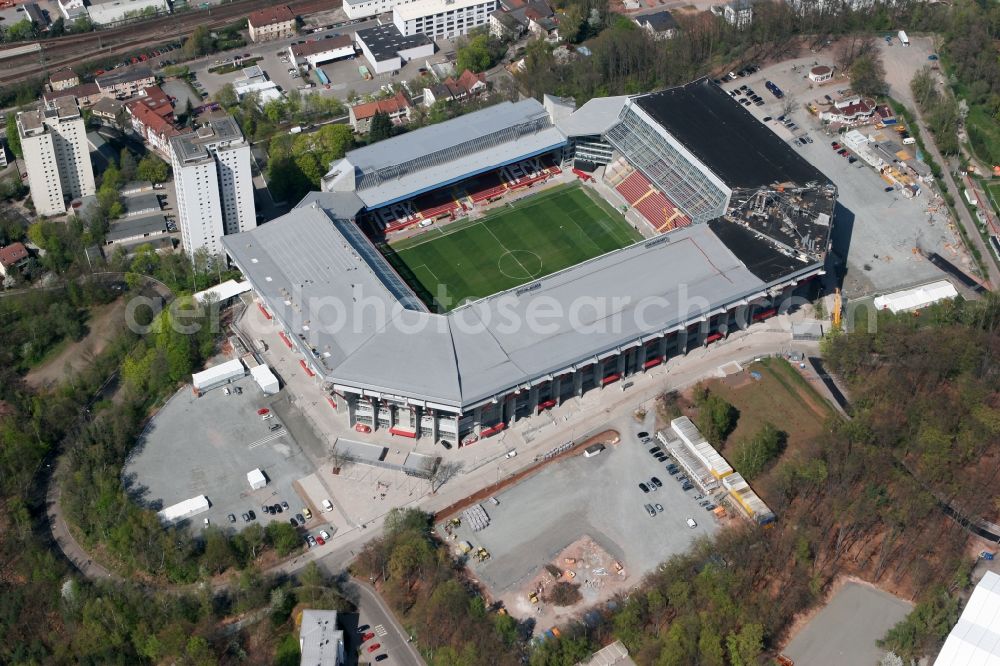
(691, 523)
(327, 505)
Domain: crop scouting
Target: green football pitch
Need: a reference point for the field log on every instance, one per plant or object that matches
(537, 236)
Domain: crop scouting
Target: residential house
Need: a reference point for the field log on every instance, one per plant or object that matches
(125, 83)
(12, 257)
(849, 109)
(516, 17)
(109, 112)
(467, 85)
(397, 108)
(64, 78)
(737, 13)
(271, 23)
(660, 25)
(151, 116)
(85, 94)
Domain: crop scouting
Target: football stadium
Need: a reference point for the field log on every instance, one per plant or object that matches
(453, 279)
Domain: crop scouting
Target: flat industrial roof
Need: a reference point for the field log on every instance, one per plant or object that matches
(331, 43)
(332, 297)
(386, 41)
(737, 147)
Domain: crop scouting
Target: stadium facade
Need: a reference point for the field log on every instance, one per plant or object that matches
(736, 222)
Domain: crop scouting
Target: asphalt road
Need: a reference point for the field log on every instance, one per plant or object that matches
(388, 632)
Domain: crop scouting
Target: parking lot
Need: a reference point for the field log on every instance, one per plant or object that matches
(597, 497)
(206, 445)
(878, 232)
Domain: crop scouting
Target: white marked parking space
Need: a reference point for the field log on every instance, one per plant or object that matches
(269, 438)
(380, 630)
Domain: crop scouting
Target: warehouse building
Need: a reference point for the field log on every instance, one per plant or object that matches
(387, 49)
(319, 51)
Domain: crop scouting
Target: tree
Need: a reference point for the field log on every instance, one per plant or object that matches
(23, 29)
(381, 127)
(868, 75)
(745, 646)
(13, 137)
(474, 54)
(227, 97)
(152, 168)
(199, 43)
(283, 537)
(753, 456)
(127, 165)
(716, 417)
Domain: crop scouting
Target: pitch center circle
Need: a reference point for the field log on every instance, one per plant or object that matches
(520, 264)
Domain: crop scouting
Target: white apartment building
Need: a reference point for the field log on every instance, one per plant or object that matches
(357, 9)
(214, 184)
(54, 144)
(442, 18)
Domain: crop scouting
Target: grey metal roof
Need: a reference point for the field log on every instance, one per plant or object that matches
(595, 117)
(136, 226)
(332, 298)
(421, 147)
(126, 75)
(343, 205)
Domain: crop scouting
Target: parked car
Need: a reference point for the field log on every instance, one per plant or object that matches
(381, 657)
(363, 628)
(307, 513)
(660, 457)
(367, 637)
(656, 482)
(276, 509)
(253, 516)
(650, 510)
(293, 522)
(709, 507)
(890, 189)
(324, 534)
(320, 540)
(643, 487)
(299, 518)
(263, 410)
(691, 523)
(374, 647)
(654, 449)
(284, 505)
(658, 507)
(311, 540)
(232, 518)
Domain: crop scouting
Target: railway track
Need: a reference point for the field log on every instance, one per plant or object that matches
(71, 50)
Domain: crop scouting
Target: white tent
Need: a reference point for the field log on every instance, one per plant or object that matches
(976, 637)
(918, 297)
(257, 479)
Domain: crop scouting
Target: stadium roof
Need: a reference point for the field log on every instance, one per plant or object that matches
(595, 117)
(975, 640)
(420, 160)
(330, 292)
(738, 148)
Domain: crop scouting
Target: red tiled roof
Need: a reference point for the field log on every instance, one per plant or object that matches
(468, 79)
(150, 119)
(391, 105)
(270, 16)
(157, 100)
(13, 253)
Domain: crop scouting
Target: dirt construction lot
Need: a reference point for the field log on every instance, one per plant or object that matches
(103, 323)
(573, 500)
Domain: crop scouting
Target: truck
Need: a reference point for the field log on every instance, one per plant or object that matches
(903, 39)
(365, 74)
